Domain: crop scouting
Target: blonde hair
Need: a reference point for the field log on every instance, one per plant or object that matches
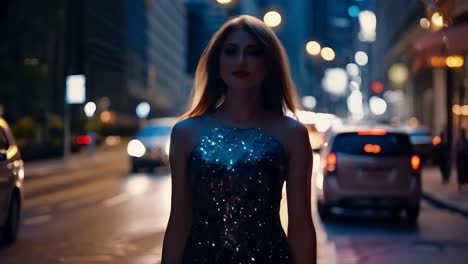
(278, 93)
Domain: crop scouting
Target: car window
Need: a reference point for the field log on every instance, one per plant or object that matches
(4, 144)
(390, 144)
(420, 134)
(154, 131)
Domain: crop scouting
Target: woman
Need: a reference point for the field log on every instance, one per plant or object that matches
(232, 153)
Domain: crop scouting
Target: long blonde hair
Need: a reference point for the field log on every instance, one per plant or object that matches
(278, 93)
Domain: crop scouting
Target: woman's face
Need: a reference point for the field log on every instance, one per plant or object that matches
(242, 61)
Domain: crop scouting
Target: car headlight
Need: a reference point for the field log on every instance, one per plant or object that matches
(135, 148)
(319, 181)
(168, 147)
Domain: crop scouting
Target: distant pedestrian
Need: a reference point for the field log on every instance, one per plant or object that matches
(442, 153)
(461, 147)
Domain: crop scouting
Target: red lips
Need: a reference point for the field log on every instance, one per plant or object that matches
(240, 73)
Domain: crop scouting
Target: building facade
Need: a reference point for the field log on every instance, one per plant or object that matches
(434, 88)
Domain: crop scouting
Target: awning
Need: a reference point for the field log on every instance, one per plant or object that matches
(449, 41)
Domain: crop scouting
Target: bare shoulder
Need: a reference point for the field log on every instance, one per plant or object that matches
(291, 133)
(186, 126)
(186, 131)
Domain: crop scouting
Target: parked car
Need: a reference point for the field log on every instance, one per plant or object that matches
(423, 143)
(11, 184)
(150, 147)
(372, 167)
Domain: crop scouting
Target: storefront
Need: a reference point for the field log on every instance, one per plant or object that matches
(438, 61)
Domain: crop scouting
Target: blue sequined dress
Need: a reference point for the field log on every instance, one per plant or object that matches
(236, 177)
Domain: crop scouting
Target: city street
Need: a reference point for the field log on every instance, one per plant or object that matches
(105, 215)
(93, 93)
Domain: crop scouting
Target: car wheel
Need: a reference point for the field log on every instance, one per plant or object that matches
(323, 210)
(10, 231)
(412, 214)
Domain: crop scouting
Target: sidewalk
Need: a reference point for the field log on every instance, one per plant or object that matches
(446, 196)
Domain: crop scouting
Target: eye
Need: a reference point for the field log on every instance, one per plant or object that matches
(230, 51)
(254, 52)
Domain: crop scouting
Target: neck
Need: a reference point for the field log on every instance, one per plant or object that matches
(241, 106)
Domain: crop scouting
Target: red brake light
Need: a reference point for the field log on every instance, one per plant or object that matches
(83, 140)
(87, 140)
(331, 161)
(415, 162)
(372, 132)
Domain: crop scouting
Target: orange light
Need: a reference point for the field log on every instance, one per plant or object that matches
(454, 61)
(372, 132)
(369, 148)
(331, 161)
(106, 116)
(436, 140)
(415, 162)
(377, 149)
(437, 61)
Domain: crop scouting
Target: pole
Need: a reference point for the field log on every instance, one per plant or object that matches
(66, 127)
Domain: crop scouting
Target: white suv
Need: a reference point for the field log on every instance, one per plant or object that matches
(372, 167)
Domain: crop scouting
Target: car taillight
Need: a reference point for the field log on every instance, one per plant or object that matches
(331, 161)
(83, 140)
(415, 162)
(372, 132)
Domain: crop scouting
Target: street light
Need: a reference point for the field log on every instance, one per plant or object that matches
(313, 48)
(90, 109)
(437, 20)
(272, 19)
(361, 58)
(327, 54)
(368, 23)
(352, 69)
(224, 2)
(142, 111)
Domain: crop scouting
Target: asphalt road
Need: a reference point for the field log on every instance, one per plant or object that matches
(108, 216)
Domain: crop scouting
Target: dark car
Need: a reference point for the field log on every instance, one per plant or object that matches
(11, 183)
(423, 143)
(371, 168)
(150, 147)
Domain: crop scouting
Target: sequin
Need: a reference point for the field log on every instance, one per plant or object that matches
(236, 178)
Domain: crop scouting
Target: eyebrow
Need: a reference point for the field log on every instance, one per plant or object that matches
(252, 45)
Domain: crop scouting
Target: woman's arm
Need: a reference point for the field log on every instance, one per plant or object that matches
(301, 231)
(180, 218)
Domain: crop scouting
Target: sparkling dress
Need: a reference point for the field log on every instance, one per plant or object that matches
(236, 177)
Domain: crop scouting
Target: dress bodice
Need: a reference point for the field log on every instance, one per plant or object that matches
(236, 177)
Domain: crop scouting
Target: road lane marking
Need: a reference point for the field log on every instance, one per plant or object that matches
(37, 220)
(118, 199)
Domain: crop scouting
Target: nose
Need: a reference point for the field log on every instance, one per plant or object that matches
(241, 58)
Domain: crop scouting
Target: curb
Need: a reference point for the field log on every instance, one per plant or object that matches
(444, 204)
